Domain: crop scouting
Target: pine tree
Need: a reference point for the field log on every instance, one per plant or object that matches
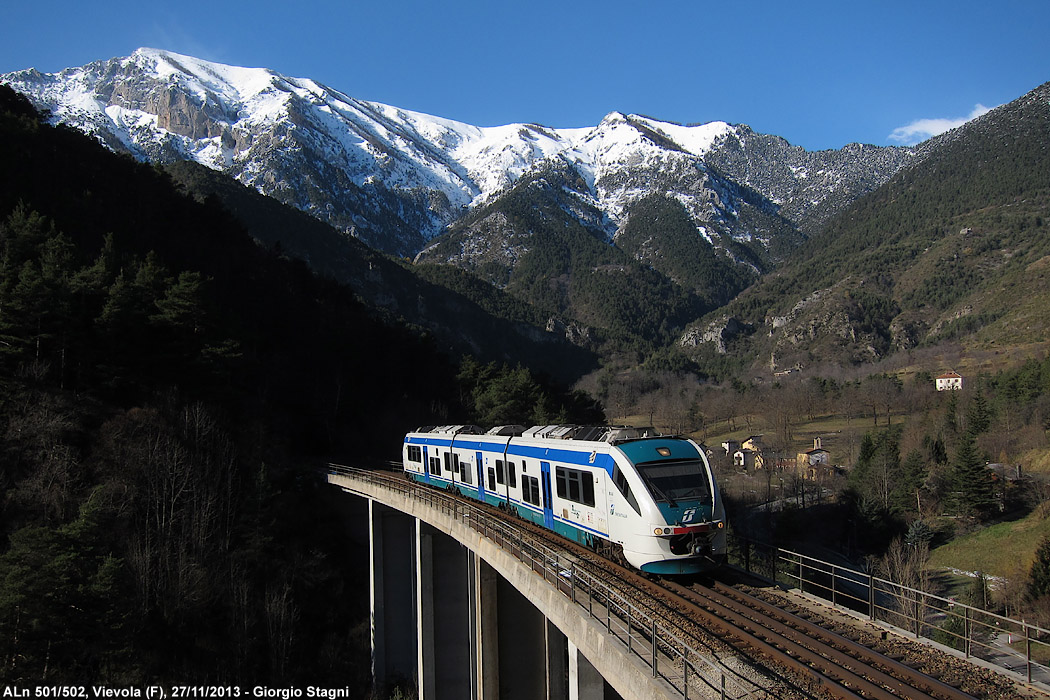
(971, 481)
(1039, 574)
(951, 425)
(978, 416)
(909, 482)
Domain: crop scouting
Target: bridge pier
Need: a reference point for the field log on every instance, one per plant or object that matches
(391, 594)
(457, 615)
(443, 619)
(585, 683)
(486, 582)
(447, 659)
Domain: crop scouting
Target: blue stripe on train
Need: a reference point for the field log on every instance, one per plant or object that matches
(574, 531)
(552, 454)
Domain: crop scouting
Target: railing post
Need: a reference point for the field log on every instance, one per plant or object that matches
(685, 674)
(966, 632)
(629, 635)
(834, 577)
(572, 580)
(1028, 650)
(776, 555)
(918, 624)
(656, 673)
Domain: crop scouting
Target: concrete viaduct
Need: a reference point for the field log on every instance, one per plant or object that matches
(462, 610)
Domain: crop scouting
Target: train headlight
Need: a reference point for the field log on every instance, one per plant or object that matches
(658, 531)
(721, 524)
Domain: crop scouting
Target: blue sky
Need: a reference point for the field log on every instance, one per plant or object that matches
(820, 74)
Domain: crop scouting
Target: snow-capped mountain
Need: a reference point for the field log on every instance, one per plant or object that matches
(397, 178)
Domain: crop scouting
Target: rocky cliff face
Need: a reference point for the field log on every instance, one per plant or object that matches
(808, 187)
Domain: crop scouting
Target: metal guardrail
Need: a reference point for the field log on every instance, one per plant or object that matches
(1020, 647)
(656, 642)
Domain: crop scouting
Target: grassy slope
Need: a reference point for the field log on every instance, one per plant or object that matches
(1004, 549)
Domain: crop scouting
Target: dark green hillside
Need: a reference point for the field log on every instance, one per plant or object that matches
(952, 248)
(168, 390)
(660, 232)
(993, 174)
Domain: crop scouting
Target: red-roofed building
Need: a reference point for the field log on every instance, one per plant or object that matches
(949, 381)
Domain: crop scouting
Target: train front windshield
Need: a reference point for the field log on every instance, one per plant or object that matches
(670, 482)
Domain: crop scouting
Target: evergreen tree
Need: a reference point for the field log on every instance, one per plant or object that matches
(909, 482)
(877, 475)
(978, 416)
(1039, 574)
(971, 481)
(919, 534)
(951, 419)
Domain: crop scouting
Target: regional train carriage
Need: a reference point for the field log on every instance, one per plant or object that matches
(654, 496)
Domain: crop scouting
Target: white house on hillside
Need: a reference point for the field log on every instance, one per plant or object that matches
(949, 381)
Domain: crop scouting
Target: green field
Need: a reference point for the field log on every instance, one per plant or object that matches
(1003, 549)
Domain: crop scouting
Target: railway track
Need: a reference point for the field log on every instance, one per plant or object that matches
(836, 665)
(806, 658)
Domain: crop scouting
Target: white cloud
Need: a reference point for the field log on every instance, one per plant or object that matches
(922, 129)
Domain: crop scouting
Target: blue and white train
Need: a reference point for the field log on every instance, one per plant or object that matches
(654, 496)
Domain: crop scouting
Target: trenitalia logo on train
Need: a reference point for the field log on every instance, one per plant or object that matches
(625, 492)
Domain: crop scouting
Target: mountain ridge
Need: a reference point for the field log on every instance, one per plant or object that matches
(397, 178)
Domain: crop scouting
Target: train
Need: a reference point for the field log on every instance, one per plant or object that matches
(625, 491)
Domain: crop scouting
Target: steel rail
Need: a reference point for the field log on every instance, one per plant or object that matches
(914, 680)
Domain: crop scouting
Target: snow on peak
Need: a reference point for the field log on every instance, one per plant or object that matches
(200, 76)
(236, 118)
(697, 139)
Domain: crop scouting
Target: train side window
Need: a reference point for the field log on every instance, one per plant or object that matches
(464, 469)
(512, 479)
(415, 453)
(621, 483)
(435, 466)
(530, 490)
(499, 472)
(492, 479)
(575, 485)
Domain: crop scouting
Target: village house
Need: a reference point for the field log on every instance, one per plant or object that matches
(750, 455)
(754, 443)
(815, 463)
(949, 381)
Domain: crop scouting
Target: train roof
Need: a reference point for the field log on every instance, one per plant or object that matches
(584, 433)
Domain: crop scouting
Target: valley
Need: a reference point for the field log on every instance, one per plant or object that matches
(265, 273)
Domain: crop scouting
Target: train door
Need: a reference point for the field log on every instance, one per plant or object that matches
(548, 507)
(426, 466)
(481, 475)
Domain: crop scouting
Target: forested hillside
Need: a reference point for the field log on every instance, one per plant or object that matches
(168, 390)
(951, 249)
(538, 252)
